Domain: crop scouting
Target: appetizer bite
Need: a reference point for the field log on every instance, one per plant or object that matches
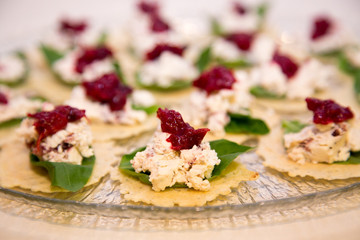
(239, 17)
(67, 35)
(59, 141)
(166, 69)
(289, 78)
(222, 103)
(14, 106)
(326, 148)
(328, 37)
(84, 64)
(177, 168)
(116, 110)
(14, 69)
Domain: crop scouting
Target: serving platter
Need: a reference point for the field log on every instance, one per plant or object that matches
(273, 198)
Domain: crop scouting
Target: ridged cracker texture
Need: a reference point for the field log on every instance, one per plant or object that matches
(17, 171)
(136, 191)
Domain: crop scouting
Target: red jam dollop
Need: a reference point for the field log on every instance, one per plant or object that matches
(288, 66)
(215, 79)
(162, 47)
(90, 55)
(107, 89)
(182, 135)
(328, 111)
(3, 99)
(72, 28)
(49, 123)
(158, 24)
(243, 41)
(321, 27)
(239, 8)
(148, 7)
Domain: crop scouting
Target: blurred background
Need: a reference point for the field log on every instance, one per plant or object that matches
(23, 21)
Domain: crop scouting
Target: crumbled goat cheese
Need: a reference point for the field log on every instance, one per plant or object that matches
(168, 167)
(262, 49)
(270, 77)
(65, 67)
(331, 42)
(17, 107)
(11, 68)
(212, 110)
(226, 50)
(102, 112)
(322, 143)
(69, 145)
(166, 69)
(312, 76)
(142, 98)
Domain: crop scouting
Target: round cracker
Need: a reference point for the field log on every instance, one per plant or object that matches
(136, 191)
(106, 132)
(17, 171)
(271, 149)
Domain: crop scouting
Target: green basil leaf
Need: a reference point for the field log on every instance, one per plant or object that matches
(240, 63)
(204, 59)
(262, 10)
(149, 110)
(226, 150)
(119, 71)
(51, 55)
(65, 175)
(292, 126)
(261, 92)
(102, 39)
(216, 28)
(331, 54)
(240, 123)
(176, 85)
(345, 65)
(21, 55)
(10, 123)
(357, 85)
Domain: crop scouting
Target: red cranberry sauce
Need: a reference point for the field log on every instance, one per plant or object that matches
(148, 7)
(287, 65)
(107, 89)
(182, 135)
(215, 79)
(90, 55)
(328, 111)
(239, 8)
(163, 47)
(3, 99)
(72, 28)
(49, 123)
(158, 24)
(243, 41)
(321, 27)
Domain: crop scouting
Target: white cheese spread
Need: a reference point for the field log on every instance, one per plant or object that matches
(166, 69)
(69, 145)
(167, 167)
(65, 68)
(102, 112)
(322, 143)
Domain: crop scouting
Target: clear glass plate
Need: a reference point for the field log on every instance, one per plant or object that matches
(273, 198)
